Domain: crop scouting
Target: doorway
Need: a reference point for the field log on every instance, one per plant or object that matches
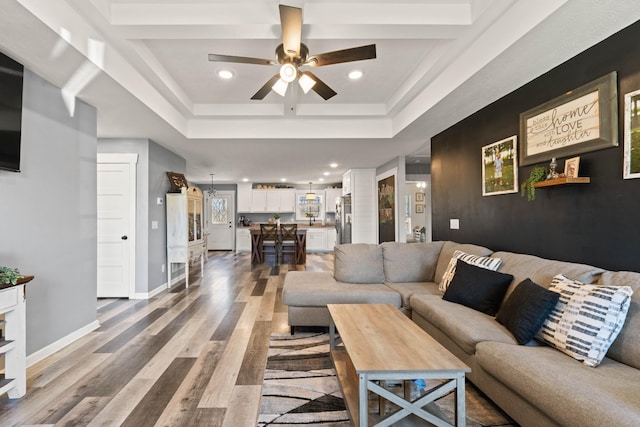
(116, 191)
(220, 214)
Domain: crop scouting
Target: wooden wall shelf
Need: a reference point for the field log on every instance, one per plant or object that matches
(563, 181)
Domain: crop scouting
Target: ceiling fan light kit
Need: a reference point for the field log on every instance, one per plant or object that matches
(292, 54)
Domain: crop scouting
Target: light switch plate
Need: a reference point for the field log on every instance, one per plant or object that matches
(154, 225)
(454, 224)
(160, 201)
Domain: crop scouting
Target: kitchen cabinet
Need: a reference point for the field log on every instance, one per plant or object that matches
(346, 182)
(185, 237)
(331, 238)
(332, 197)
(280, 200)
(244, 197)
(259, 201)
(316, 239)
(243, 240)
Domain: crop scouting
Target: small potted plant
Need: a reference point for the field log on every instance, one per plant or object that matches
(537, 174)
(9, 276)
(276, 216)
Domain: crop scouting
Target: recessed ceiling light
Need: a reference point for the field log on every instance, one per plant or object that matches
(333, 165)
(355, 74)
(225, 74)
(283, 179)
(245, 179)
(325, 173)
(321, 179)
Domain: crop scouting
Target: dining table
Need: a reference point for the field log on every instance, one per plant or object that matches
(301, 246)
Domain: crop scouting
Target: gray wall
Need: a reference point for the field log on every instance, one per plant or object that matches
(152, 182)
(48, 214)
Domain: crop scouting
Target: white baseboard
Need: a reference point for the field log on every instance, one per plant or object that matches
(148, 295)
(37, 356)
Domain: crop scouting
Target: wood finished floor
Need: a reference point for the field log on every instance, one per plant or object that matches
(187, 357)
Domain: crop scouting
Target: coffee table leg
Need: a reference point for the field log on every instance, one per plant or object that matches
(460, 402)
(332, 335)
(363, 402)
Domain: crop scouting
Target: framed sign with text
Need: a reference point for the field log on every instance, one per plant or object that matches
(584, 119)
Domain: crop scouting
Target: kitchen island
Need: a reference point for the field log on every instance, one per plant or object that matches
(318, 238)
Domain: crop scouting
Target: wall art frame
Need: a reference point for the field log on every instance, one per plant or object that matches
(419, 197)
(419, 208)
(631, 165)
(177, 181)
(500, 167)
(581, 120)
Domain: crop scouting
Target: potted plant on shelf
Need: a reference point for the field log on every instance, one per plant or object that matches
(537, 174)
(9, 276)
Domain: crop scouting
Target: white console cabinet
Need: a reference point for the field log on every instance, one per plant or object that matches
(185, 237)
(13, 344)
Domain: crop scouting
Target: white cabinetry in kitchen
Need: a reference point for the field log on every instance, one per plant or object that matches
(280, 200)
(332, 197)
(243, 240)
(316, 239)
(244, 197)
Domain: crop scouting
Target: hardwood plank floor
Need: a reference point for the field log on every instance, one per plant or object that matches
(187, 357)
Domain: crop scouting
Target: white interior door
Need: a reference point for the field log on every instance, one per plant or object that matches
(221, 214)
(116, 195)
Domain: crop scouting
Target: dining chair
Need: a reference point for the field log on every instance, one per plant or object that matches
(269, 238)
(288, 241)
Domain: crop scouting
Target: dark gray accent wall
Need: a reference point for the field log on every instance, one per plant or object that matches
(48, 214)
(595, 223)
(152, 182)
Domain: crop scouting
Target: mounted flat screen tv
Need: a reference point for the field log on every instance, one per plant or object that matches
(11, 75)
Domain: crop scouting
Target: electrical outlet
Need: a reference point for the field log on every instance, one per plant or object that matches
(160, 201)
(163, 266)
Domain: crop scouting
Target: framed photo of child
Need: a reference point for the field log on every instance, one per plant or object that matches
(571, 167)
(500, 167)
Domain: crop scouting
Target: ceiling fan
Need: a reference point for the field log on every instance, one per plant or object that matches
(292, 54)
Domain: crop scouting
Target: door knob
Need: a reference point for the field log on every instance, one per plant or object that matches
(124, 237)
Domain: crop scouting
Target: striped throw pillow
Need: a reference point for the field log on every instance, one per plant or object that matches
(479, 261)
(586, 320)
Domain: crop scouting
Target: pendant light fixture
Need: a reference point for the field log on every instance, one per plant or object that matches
(310, 196)
(212, 191)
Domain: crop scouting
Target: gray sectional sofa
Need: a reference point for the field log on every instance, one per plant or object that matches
(534, 383)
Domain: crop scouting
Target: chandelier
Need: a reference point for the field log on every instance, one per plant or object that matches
(212, 191)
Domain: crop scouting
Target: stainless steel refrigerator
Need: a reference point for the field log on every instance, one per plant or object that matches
(343, 220)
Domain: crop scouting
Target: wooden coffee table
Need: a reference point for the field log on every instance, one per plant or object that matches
(379, 343)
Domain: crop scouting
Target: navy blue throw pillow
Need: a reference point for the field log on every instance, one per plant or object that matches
(526, 309)
(478, 288)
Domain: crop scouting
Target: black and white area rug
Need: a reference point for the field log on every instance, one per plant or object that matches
(300, 388)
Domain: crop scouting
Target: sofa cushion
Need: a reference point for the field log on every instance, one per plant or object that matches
(478, 261)
(447, 252)
(407, 290)
(626, 348)
(541, 271)
(586, 319)
(415, 262)
(526, 309)
(562, 387)
(477, 288)
(358, 263)
(316, 288)
(466, 327)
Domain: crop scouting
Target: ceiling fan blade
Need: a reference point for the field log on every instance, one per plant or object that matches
(264, 90)
(240, 59)
(320, 87)
(345, 55)
(291, 22)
